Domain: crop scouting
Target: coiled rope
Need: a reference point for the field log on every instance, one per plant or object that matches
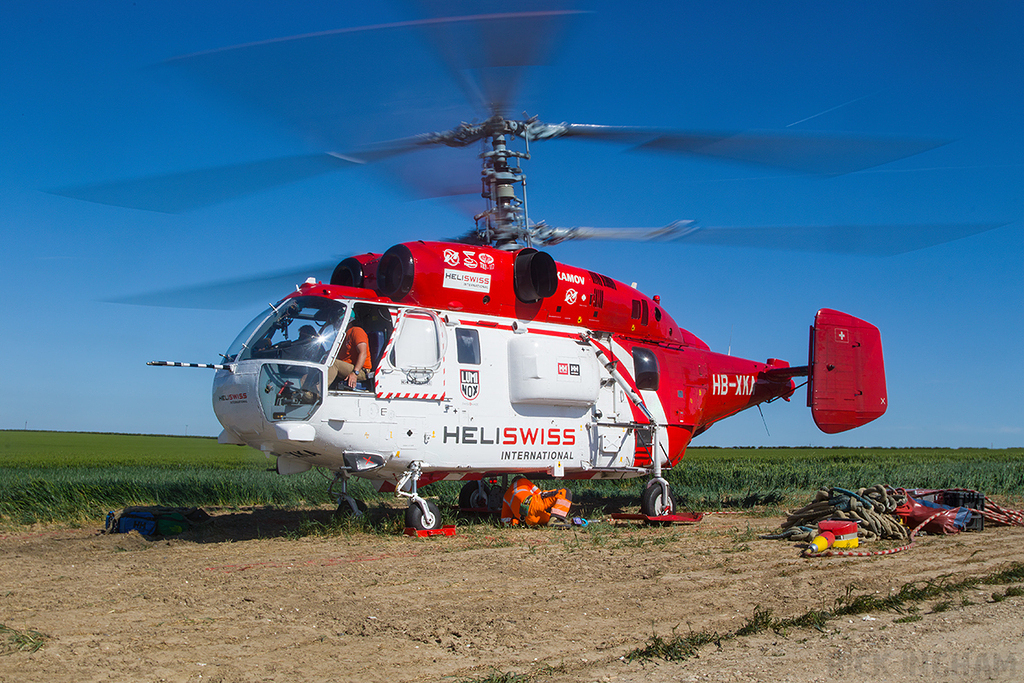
(873, 508)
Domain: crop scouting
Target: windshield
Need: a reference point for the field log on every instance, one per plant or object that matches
(303, 329)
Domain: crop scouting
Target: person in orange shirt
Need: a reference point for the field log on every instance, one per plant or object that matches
(525, 503)
(353, 361)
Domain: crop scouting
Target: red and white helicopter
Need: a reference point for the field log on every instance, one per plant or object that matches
(491, 359)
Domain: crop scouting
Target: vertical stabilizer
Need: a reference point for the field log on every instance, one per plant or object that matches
(847, 379)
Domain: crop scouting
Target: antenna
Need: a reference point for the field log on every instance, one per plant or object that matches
(765, 422)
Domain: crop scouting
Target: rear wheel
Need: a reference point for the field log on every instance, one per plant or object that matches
(654, 503)
(471, 497)
(415, 519)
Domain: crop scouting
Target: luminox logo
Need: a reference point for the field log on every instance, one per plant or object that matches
(570, 296)
(451, 257)
(571, 277)
(469, 380)
(740, 385)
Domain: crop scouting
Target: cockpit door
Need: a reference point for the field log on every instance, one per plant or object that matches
(412, 365)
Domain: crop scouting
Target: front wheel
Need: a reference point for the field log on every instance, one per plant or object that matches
(415, 519)
(654, 504)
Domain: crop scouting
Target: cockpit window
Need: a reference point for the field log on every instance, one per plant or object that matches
(239, 344)
(302, 329)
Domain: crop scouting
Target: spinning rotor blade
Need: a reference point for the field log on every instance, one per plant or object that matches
(175, 192)
(319, 83)
(308, 83)
(488, 54)
(870, 240)
(233, 294)
(818, 153)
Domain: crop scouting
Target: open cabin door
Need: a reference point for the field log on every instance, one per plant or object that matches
(412, 365)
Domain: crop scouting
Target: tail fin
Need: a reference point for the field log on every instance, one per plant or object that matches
(847, 376)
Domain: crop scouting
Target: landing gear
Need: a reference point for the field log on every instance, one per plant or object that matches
(425, 518)
(422, 514)
(656, 500)
(347, 505)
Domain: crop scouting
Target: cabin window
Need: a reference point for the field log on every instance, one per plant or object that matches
(467, 342)
(419, 342)
(645, 369)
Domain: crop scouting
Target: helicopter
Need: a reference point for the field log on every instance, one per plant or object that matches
(489, 359)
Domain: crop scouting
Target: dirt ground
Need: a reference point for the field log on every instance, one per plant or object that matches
(243, 599)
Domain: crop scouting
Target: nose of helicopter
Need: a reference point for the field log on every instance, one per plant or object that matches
(263, 400)
(236, 403)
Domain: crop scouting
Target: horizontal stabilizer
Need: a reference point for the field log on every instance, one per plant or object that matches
(847, 379)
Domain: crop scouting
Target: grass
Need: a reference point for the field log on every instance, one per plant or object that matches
(13, 640)
(500, 677)
(82, 450)
(681, 647)
(77, 477)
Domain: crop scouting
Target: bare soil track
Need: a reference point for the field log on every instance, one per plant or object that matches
(244, 600)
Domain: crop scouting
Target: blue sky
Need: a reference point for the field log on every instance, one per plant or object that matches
(81, 103)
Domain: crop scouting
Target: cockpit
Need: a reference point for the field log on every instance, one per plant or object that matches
(298, 341)
(299, 329)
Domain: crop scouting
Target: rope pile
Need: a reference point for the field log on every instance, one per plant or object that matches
(999, 515)
(873, 508)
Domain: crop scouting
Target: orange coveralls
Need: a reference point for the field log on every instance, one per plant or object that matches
(526, 503)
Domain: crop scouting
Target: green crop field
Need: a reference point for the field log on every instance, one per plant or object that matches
(77, 477)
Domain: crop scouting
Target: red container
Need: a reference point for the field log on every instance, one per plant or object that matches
(839, 527)
(844, 530)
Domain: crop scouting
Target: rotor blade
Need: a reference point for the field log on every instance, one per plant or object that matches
(819, 153)
(488, 54)
(235, 293)
(871, 240)
(175, 192)
(344, 88)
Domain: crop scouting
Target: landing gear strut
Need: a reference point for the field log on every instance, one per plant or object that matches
(347, 505)
(656, 500)
(422, 514)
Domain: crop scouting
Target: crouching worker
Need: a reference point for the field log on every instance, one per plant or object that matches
(525, 503)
